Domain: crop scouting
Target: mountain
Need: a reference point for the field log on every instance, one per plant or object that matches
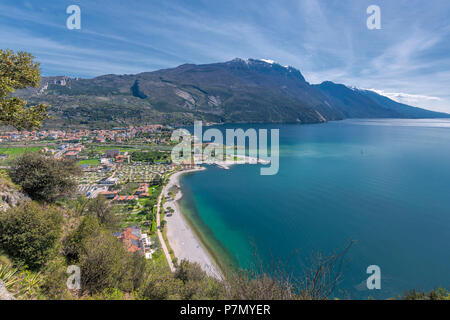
(357, 103)
(235, 91)
(403, 109)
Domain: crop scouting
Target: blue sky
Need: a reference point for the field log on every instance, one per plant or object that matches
(408, 59)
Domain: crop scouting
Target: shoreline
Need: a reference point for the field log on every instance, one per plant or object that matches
(183, 240)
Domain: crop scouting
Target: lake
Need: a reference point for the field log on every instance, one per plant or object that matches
(383, 183)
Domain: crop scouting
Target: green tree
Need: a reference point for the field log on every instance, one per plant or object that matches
(105, 263)
(19, 71)
(188, 271)
(54, 280)
(102, 262)
(43, 178)
(197, 284)
(103, 211)
(29, 232)
(189, 282)
(75, 243)
(435, 294)
(162, 285)
(138, 271)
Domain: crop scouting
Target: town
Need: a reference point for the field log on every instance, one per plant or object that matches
(148, 133)
(126, 166)
(129, 168)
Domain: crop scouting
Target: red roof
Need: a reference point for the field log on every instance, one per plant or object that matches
(125, 198)
(130, 240)
(109, 192)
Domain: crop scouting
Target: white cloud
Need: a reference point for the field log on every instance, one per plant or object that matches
(417, 100)
(401, 97)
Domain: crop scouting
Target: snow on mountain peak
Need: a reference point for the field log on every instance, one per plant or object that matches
(267, 61)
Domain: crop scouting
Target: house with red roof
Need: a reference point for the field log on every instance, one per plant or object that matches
(142, 191)
(125, 198)
(135, 241)
(71, 154)
(109, 194)
(130, 237)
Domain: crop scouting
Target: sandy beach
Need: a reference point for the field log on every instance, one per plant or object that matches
(182, 239)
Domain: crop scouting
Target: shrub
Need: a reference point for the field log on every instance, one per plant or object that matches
(197, 284)
(103, 211)
(437, 294)
(43, 178)
(161, 285)
(188, 271)
(20, 282)
(75, 243)
(105, 263)
(29, 232)
(54, 280)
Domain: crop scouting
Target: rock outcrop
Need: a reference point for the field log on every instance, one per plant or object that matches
(10, 196)
(4, 293)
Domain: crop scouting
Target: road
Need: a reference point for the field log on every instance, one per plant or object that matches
(160, 236)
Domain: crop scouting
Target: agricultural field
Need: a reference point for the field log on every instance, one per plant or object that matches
(14, 152)
(17, 151)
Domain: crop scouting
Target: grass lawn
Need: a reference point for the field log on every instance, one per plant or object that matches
(89, 162)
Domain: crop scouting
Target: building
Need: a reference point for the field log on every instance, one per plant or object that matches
(146, 245)
(112, 153)
(120, 158)
(125, 198)
(142, 191)
(77, 148)
(105, 161)
(71, 155)
(131, 238)
(109, 181)
(109, 194)
(135, 241)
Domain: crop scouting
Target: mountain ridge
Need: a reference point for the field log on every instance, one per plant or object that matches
(240, 90)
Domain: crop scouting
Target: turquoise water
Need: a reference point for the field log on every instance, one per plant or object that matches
(384, 184)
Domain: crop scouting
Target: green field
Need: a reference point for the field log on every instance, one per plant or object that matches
(16, 151)
(104, 148)
(144, 147)
(89, 162)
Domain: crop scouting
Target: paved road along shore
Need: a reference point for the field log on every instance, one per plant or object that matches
(160, 236)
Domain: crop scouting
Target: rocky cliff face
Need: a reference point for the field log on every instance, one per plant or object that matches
(10, 196)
